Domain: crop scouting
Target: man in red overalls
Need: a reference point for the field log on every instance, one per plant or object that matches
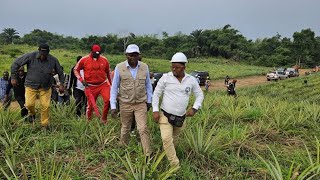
(96, 80)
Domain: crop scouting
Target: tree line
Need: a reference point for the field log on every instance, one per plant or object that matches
(302, 49)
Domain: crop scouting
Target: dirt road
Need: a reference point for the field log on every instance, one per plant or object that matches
(247, 81)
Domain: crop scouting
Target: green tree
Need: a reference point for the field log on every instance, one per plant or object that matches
(304, 44)
(9, 35)
(196, 34)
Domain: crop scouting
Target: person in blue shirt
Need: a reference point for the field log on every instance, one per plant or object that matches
(132, 85)
(4, 81)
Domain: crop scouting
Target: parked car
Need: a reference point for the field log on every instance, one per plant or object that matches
(203, 76)
(291, 72)
(281, 69)
(276, 75)
(157, 76)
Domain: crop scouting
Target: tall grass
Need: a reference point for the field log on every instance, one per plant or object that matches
(144, 168)
(294, 172)
(200, 138)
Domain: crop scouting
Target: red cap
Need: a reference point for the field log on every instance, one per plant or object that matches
(96, 48)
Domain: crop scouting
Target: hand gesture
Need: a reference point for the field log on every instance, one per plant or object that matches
(113, 113)
(156, 116)
(61, 89)
(85, 84)
(191, 112)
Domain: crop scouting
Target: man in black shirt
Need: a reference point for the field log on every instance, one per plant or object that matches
(231, 88)
(38, 80)
(18, 90)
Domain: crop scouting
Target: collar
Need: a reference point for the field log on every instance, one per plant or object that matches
(38, 55)
(185, 75)
(128, 66)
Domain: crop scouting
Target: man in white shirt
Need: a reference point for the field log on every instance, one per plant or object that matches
(78, 90)
(176, 87)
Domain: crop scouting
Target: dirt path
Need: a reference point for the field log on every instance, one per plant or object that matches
(219, 84)
(246, 81)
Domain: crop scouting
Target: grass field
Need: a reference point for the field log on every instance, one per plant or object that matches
(218, 68)
(251, 137)
(268, 132)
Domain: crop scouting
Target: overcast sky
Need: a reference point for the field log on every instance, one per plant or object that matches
(79, 18)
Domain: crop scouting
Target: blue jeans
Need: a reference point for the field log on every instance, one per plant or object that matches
(64, 99)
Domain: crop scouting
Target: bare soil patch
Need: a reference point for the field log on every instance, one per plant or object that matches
(247, 81)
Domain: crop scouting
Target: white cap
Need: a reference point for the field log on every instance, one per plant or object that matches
(179, 57)
(131, 48)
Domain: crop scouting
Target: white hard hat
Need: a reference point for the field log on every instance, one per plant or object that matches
(179, 57)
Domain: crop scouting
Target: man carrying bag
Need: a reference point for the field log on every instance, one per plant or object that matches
(176, 87)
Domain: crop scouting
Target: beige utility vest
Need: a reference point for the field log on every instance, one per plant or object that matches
(132, 90)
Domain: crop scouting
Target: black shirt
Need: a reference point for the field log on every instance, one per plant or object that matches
(39, 71)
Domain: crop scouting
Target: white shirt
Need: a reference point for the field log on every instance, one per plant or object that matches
(176, 94)
(79, 83)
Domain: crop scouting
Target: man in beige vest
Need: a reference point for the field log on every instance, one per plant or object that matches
(131, 84)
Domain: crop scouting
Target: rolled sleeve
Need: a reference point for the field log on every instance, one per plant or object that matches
(114, 88)
(18, 63)
(157, 94)
(148, 87)
(199, 96)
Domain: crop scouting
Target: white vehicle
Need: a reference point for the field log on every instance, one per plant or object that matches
(276, 75)
(291, 72)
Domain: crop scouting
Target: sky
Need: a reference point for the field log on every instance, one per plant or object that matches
(80, 18)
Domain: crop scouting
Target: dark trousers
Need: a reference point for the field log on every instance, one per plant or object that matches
(21, 100)
(65, 99)
(232, 93)
(54, 95)
(81, 101)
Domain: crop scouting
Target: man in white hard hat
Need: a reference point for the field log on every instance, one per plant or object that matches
(131, 84)
(176, 87)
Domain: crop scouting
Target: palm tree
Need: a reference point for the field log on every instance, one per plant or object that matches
(10, 34)
(196, 34)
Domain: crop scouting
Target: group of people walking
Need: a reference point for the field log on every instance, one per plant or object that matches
(130, 92)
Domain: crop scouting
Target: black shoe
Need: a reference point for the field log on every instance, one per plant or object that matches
(31, 118)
